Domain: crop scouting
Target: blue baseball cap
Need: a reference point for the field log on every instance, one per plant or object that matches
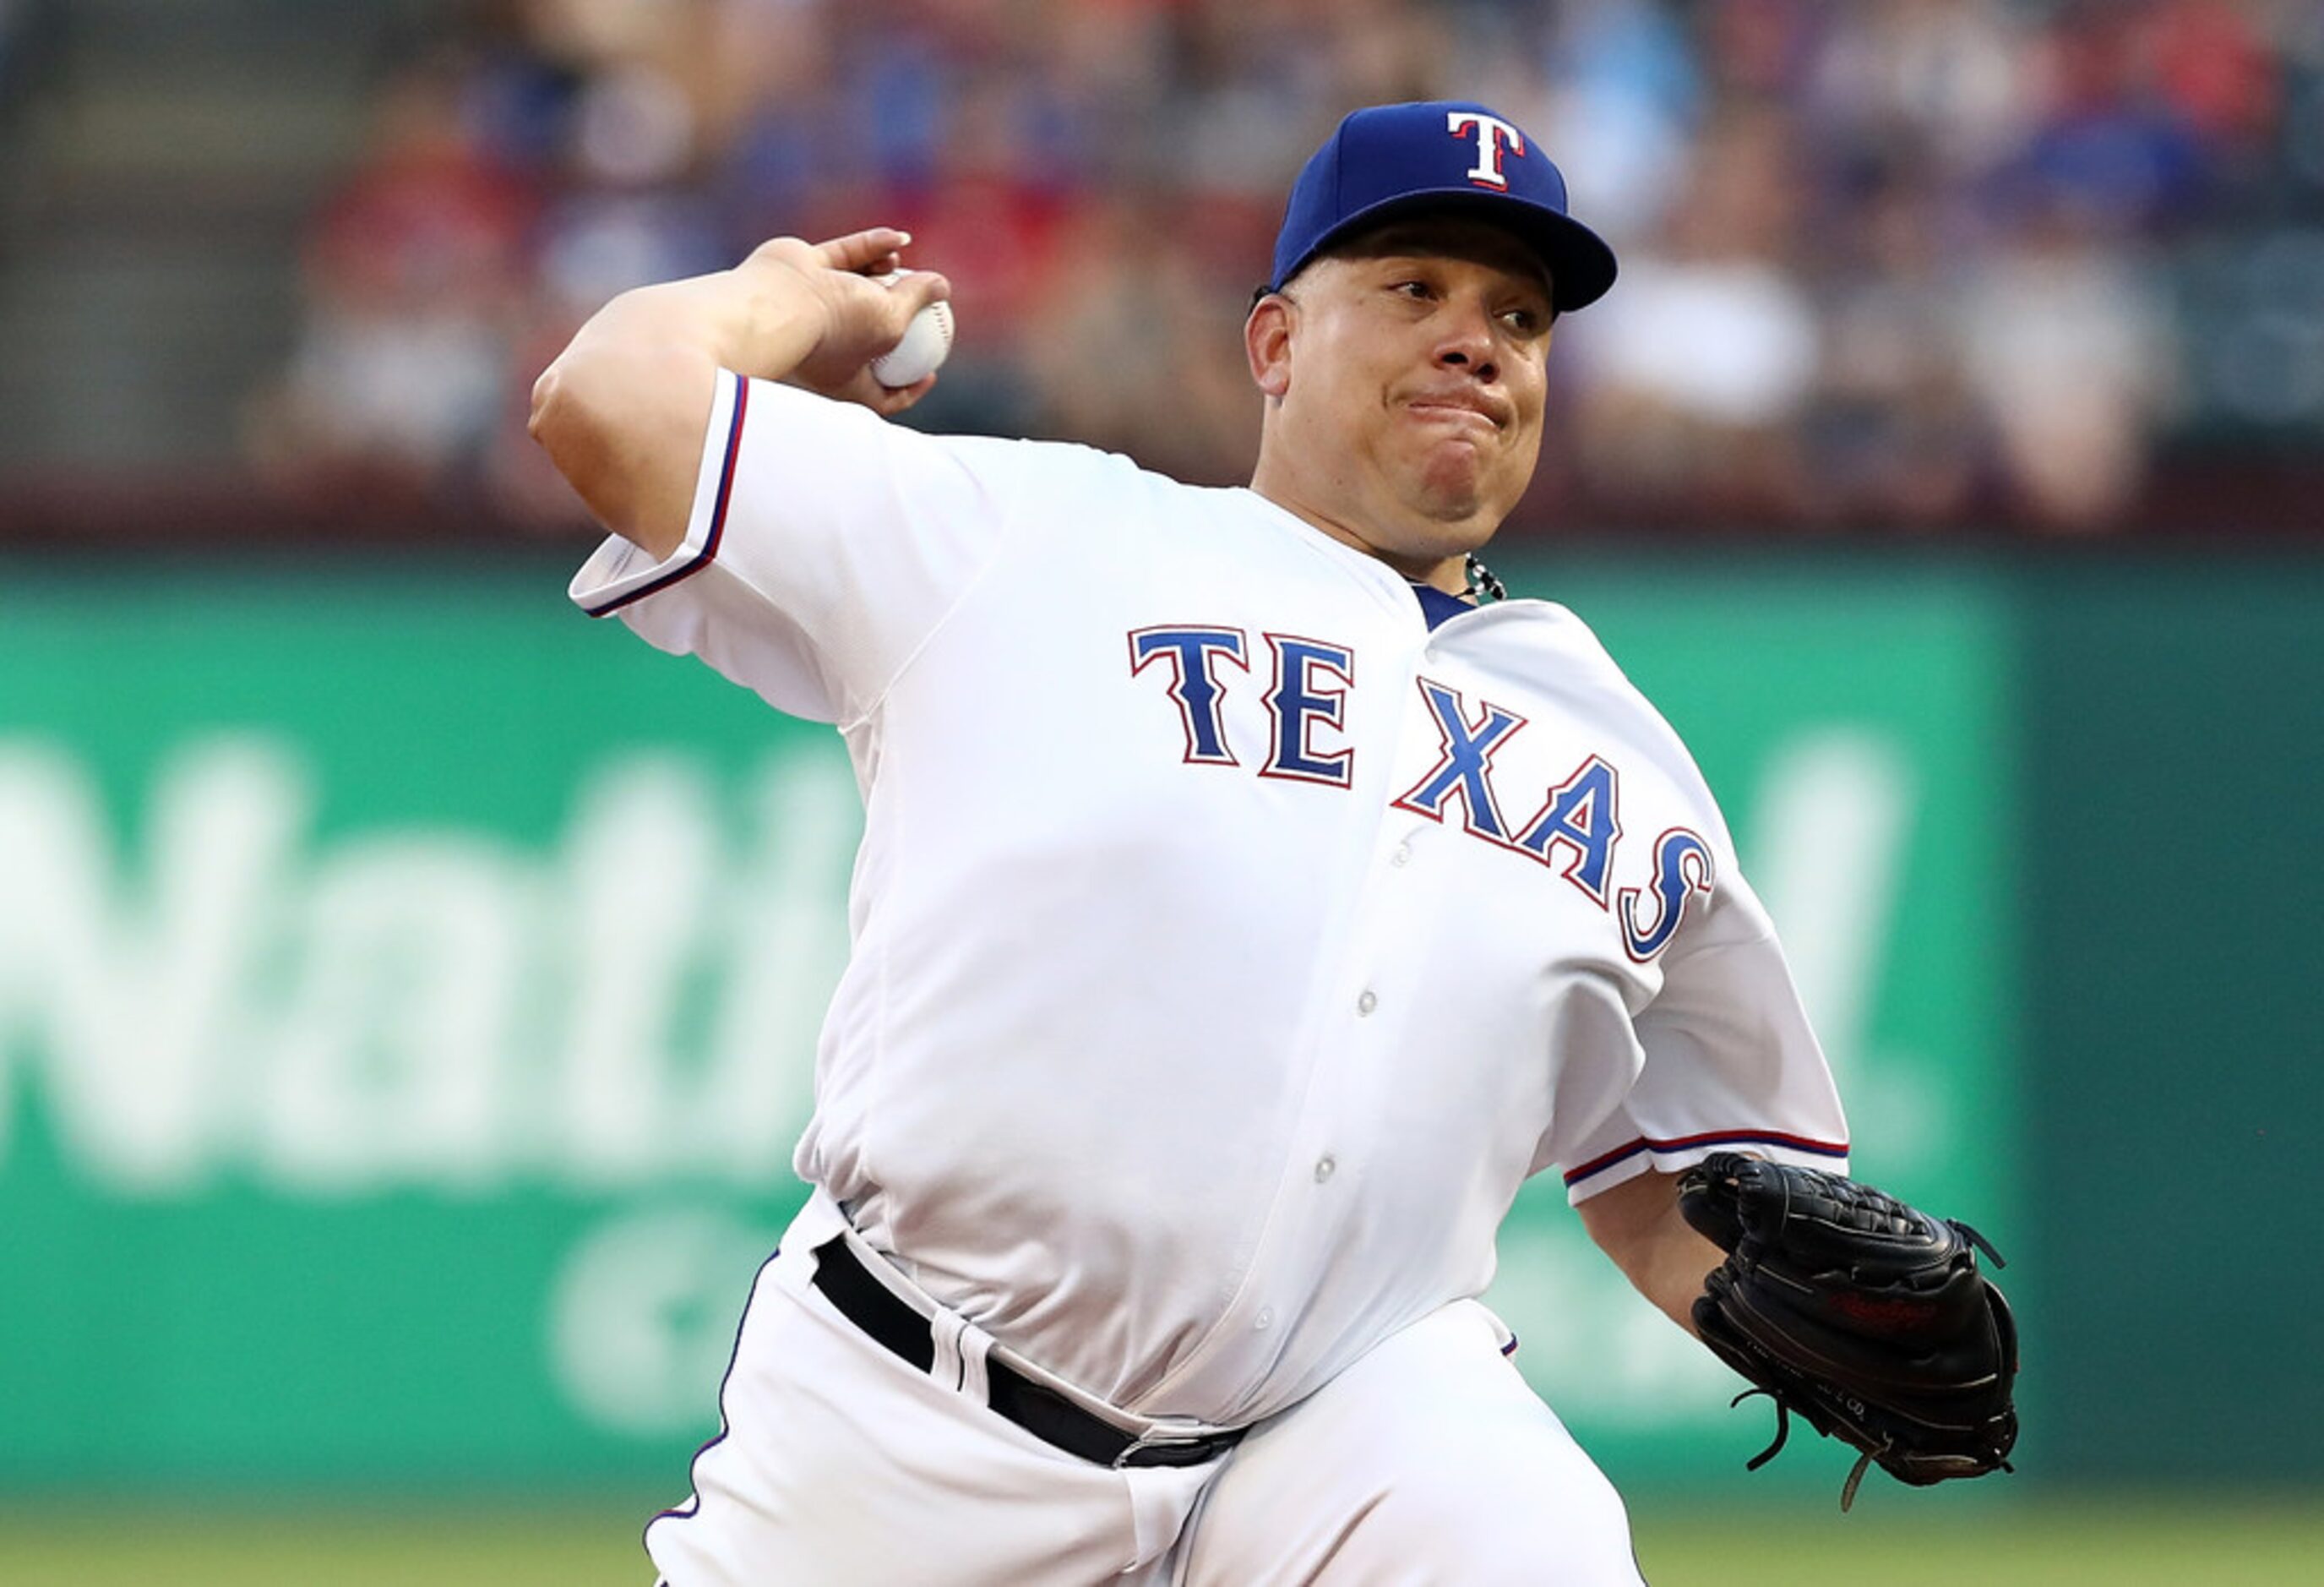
(1441, 153)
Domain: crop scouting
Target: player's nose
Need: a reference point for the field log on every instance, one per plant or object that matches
(1465, 341)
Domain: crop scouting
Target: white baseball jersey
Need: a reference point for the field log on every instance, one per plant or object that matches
(1228, 945)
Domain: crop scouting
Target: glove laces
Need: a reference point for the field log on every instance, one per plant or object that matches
(1976, 1240)
(1784, 1434)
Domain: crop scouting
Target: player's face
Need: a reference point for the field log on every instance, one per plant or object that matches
(1410, 374)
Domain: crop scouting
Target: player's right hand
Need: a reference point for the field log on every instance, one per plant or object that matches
(862, 319)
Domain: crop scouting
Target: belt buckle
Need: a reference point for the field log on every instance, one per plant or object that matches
(1169, 1434)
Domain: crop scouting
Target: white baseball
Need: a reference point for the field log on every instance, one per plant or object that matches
(927, 340)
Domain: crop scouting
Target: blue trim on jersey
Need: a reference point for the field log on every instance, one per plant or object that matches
(1437, 606)
(717, 531)
(1717, 1137)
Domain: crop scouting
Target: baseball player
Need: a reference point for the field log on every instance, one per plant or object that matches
(1244, 911)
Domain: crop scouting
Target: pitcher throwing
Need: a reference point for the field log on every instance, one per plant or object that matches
(1245, 911)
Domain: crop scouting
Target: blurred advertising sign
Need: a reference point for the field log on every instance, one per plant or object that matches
(408, 995)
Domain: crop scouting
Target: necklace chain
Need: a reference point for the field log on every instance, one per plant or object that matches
(1482, 582)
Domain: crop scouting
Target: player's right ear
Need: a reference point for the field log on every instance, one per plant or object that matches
(1266, 343)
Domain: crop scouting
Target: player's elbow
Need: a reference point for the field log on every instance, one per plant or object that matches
(569, 418)
(542, 421)
(544, 394)
(624, 424)
(575, 434)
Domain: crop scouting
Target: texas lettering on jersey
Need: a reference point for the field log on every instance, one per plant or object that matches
(1574, 830)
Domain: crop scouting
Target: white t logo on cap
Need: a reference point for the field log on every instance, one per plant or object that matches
(1495, 137)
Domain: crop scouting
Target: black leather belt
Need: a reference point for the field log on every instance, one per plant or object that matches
(1043, 1412)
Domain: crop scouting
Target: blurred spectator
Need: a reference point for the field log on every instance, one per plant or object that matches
(1627, 88)
(1698, 368)
(1171, 386)
(2067, 353)
(1887, 263)
(412, 278)
(1951, 84)
(1893, 437)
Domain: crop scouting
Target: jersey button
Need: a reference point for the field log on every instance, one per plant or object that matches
(1265, 1318)
(1325, 1166)
(1402, 854)
(1366, 1003)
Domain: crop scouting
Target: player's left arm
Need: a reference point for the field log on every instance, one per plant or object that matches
(1638, 1223)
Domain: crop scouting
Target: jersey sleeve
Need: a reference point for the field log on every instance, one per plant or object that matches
(1730, 1062)
(825, 547)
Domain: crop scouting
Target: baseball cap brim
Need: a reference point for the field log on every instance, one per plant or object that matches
(1580, 264)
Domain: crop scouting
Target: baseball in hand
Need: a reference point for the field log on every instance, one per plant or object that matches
(926, 341)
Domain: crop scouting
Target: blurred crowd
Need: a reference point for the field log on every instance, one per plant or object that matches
(1886, 264)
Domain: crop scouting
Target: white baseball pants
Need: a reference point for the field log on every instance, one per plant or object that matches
(1429, 1461)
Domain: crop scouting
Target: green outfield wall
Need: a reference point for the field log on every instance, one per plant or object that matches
(2174, 716)
(408, 991)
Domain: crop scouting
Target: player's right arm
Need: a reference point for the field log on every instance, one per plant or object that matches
(623, 410)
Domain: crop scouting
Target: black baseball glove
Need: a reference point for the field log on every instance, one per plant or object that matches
(1866, 1316)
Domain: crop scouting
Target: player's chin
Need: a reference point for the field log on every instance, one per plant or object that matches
(1457, 487)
